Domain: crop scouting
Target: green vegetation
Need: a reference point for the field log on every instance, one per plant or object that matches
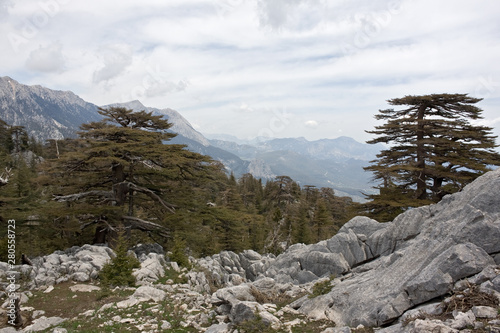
(434, 149)
(322, 287)
(118, 272)
(122, 171)
(256, 325)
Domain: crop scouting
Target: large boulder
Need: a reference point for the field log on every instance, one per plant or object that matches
(417, 257)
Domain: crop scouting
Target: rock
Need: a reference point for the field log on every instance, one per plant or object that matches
(149, 293)
(141, 250)
(165, 325)
(320, 263)
(496, 283)
(429, 309)
(152, 268)
(439, 275)
(80, 277)
(244, 311)
(427, 325)
(218, 328)
(485, 312)
(129, 302)
(344, 329)
(43, 323)
(417, 257)
(233, 295)
(486, 274)
(174, 266)
(463, 320)
(84, 288)
(49, 289)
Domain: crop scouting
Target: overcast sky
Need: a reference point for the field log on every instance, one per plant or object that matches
(280, 68)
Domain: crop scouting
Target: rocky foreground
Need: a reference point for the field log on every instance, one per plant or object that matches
(433, 269)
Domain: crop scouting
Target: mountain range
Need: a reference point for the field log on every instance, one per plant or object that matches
(336, 163)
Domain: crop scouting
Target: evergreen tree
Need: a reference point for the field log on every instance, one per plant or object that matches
(124, 173)
(118, 272)
(434, 150)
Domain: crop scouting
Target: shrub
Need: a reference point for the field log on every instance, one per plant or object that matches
(179, 252)
(322, 287)
(118, 272)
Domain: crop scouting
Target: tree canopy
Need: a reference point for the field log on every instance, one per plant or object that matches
(124, 173)
(434, 149)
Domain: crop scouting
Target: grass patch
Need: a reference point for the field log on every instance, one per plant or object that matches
(322, 287)
(172, 275)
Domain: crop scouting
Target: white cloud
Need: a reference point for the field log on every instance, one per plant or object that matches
(311, 124)
(228, 65)
(46, 59)
(116, 58)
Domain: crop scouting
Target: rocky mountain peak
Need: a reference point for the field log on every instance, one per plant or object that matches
(45, 113)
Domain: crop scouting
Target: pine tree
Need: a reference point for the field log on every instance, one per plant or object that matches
(118, 272)
(123, 172)
(434, 150)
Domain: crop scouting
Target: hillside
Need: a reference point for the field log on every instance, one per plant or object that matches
(432, 269)
(45, 113)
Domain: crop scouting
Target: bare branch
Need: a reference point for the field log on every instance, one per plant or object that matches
(4, 180)
(99, 220)
(78, 196)
(143, 225)
(152, 195)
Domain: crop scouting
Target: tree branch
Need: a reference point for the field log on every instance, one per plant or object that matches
(4, 180)
(144, 225)
(78, 196)
(152, 195)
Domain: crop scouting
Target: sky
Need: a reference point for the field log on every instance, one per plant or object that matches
(274, 68)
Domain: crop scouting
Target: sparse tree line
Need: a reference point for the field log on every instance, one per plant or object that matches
(122, 173)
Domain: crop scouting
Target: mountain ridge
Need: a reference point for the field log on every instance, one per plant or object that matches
(336, 163)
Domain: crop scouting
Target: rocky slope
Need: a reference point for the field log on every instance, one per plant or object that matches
(433, 269)
(45, 113)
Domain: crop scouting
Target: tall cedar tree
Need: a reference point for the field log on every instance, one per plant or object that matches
(434, 150)
(124, 173)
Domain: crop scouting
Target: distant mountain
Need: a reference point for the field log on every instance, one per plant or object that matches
(195, 141)
(337, 163)
(340, 149)
(45, 113)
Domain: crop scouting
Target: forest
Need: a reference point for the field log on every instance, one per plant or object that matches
(121, 175)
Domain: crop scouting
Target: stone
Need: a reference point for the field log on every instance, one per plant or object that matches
(218, 328)
(149, 293)
(80, 277)
(165, 325)
(426, 326)
(59, 330)
(485, 312)
(463, 320)
(496, 283)
(49, 289)
(243, 311)
(129, 302)
(43, 323)
(84, 288)
(152, 268)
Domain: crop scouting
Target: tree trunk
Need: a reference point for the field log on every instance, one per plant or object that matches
(421, 184)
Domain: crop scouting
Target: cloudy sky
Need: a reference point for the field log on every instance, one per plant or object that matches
(280, 68)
